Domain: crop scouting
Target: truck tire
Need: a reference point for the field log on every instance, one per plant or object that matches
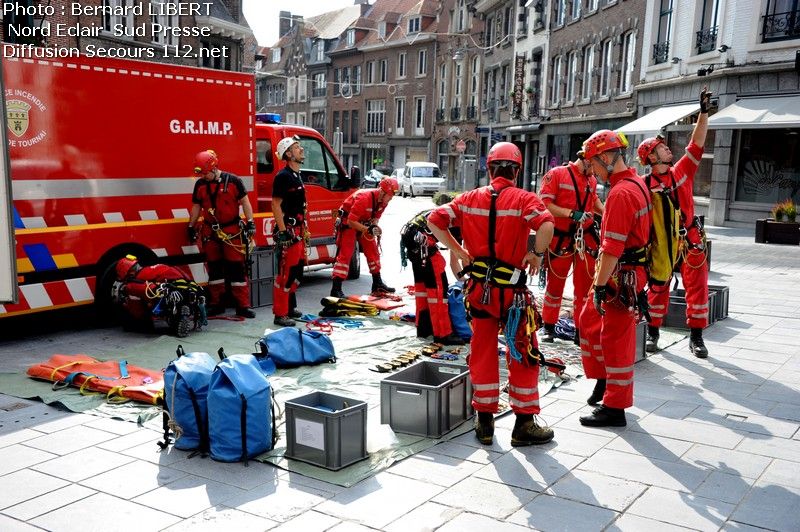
(355, 265)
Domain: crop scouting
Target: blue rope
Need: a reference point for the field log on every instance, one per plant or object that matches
(512, 325)
(565, 329)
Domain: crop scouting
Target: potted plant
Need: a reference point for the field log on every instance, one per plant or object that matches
(784, 211)
(783, 229)
(777, 212)
(530, 92)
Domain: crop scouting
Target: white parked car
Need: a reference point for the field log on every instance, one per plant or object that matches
(421, 178)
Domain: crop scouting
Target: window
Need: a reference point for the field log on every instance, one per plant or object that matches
(291, 89)
(592, 5)
(165, 21)
(351, 38)
(459, 81)
(781, 20)
(605, 68)
(354, 127)
(117, 6)
(490, 34)
(572, 70)
(628, 59)
(443, 86)
(302, 88)
(318, 121)
(504, 85)
(400, 116)
(319, 85)
(555, 81)
(575, 9)
(473, 87)
(290, 118)
(661, 47)
(508, 21)
(401, 65)
(356, 79)
(560, 7)
(345, 127)
(422, 64)
(461, 16)
(588, 70)
(276, 55)
(376, 117)
(419, 116)
(320, 51)
(301, 119)
(336, 85)
(382, 30)
(443, 148)
(336, 126)
(383, 70)
(319, 166)
(264, 164)
(414, 25)
(370, 72)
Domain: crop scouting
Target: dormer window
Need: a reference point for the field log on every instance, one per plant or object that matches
(351, 37)
(414, 25)
(382, 30)
(276, 55)
(320, 51)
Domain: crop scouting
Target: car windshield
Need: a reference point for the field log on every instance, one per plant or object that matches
(424, 171)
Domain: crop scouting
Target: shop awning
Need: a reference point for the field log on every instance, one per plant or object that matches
(758, 113)
(652, 122)
(525, 128)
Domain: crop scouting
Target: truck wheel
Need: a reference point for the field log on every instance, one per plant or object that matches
(355, 265)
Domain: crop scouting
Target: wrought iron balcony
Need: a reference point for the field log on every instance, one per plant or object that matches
(440, 115)
(455, 113)
(781, 26)
(706, 40)
(472, 112)
(661, 52)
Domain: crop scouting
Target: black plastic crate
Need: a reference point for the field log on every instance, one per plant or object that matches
(261, 292)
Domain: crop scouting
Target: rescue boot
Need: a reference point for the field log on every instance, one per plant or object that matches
(696, 344)
(284, 321)
(604, 416)
(245, 312)
(652, 339)
(293, 312)
(577, 338)
(528, 432)
(336, 289)
(484, 427)
(597, 394)
(548, 333)
(450, 339)
(215, 310)
(379, 286)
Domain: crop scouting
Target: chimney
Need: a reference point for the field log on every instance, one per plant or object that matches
(364, 5)
(284, 23)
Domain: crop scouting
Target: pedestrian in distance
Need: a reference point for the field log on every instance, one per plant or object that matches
(495, 222)
(570, 194)
(224, 236)
(678, 181)
(289, 208)
(357, 223)
(608, 326)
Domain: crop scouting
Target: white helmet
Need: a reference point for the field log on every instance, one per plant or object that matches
(285, 144)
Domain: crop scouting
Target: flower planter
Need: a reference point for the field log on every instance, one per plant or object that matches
(770, 231)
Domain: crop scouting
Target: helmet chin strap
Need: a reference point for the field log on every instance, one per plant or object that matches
(610, 166)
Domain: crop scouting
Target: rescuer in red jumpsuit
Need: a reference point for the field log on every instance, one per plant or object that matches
(679, 180)
(289, 210)
(495, 222)
(358, 222)
(430, 279)
(608, 326)
(142, 283)
(218, 195)
(570, 194)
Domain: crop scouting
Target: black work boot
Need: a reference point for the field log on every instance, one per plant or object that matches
(696, 344)
(293, 312)
(652, 339)
(484, 427)
(604, 416)
(450, 339)
(528, 432)
(548, 333)
(245, 312)
(283, 321)
(379, 286)
(597, 394)
(577, 339)
(336, 289)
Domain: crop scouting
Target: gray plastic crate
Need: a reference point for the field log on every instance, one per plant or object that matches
(641, 341)
(427, 398)
(676, 315)
(722, 301)
(261, 292)
(263, 263)
(326, 430)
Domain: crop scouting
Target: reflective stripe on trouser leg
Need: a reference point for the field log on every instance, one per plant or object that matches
(287, 280)
(216, 272)
(695, 281)
(369, 247)
(582, 272)
(658, 299)
(557, 271)
(346, 246)
(436, 287)
(484, 369)
(591, 355)
(618, 341)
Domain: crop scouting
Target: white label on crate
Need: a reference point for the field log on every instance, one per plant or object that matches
(309, 433)
(451, 371)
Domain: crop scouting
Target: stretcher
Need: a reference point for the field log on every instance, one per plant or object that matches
(383, 303)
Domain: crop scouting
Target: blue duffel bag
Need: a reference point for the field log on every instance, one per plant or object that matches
(458, 313)
(186, 381)
(289, 347)
(241, 422)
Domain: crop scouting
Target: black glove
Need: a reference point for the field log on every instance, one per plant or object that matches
(191, 233)
(705, 100)
(250, 228)
(374, 230)
(600, 295)
(580, 216)
(283, 238)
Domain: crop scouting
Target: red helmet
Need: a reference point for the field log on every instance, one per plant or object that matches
(504, 151)
(125, 266)
(602, 141)
(389, 186)
(205, 161)
(646, 148)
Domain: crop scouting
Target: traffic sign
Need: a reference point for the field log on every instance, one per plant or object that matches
(461, 146)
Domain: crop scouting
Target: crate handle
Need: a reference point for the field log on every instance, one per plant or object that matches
(409, 391)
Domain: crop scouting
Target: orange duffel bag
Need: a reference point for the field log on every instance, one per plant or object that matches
(117, 379)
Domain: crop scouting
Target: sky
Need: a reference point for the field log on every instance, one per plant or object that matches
(262, 15)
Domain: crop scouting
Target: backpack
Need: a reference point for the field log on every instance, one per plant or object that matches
(665, 225)
(241, 421)
(457, 311)
(186, 381)
(289, 347)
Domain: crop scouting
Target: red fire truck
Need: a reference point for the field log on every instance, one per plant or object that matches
(101, 155)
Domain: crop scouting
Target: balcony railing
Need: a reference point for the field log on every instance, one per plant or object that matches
(455, 113)
(318, 93)
(661, 52)
(781, 26)
(440, 115)
(706, 40)
(472, 112)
